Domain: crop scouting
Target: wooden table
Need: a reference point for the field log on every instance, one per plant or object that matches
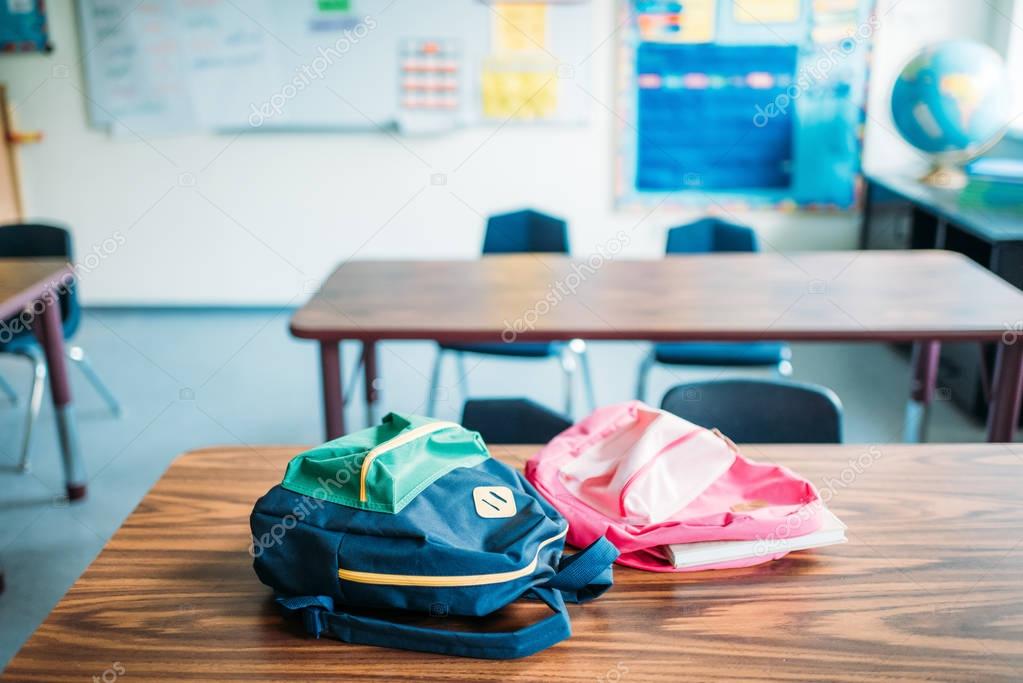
(29, 289)
(922, 296)
(929, 586)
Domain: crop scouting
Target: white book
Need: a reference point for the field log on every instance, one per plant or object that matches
(685, 555)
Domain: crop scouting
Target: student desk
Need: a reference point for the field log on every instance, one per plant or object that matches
(33, 284)
(929, 586)
(921, 296)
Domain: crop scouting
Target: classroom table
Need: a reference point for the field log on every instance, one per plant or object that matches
(924, 297)
(33, 285)
(929, 586)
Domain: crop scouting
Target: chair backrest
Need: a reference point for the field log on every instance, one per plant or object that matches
(513, 420)
(760, 411)
(711, 235)
(36, 240)
(525, 231)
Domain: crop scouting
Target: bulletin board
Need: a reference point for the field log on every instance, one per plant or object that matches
(735, 104)
(23, 26)
(178, 66)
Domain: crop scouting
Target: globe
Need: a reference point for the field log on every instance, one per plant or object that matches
(953, 101)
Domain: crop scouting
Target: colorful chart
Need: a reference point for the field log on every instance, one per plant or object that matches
(767, 109)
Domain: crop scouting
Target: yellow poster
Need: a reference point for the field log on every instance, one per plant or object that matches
(519, 90)
(835, 6)
(520, 26)
(766, 11)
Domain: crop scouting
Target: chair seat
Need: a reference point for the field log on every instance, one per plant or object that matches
(515, 349)
(20, 343)
(722, 353)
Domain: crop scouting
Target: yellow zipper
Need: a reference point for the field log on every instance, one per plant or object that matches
(397, 441)
(442, 581)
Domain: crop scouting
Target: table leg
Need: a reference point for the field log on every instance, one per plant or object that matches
(867, 214)
(51, 335)
(369, 365)
(1003, 412)
(333, 401)
(925, 377)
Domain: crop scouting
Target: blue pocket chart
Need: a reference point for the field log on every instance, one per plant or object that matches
(743, 103)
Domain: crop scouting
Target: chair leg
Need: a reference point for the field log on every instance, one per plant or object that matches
(349, 391)
(785, 364)
(8, 391)
(463, 375)
(644, 371)
(77, 354)
(431, 398)
(34, 406)
(568, 366)
(584, 362)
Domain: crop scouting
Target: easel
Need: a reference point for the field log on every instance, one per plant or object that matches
(11, 205)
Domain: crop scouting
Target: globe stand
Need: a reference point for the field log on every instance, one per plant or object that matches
(946, 176)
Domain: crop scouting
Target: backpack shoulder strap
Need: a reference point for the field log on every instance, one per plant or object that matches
(319, 616)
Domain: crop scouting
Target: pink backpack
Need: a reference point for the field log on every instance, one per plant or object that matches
(645, 478)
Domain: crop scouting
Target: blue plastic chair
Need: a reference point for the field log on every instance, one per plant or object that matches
(713, 235)
(26, 240)
(513, 420)
(514, 233)
(760, 410)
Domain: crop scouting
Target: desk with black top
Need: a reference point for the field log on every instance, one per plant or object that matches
(903, 213)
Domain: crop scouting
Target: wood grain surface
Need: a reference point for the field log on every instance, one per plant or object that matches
(24, 280)
(875, 295)
(929, 586)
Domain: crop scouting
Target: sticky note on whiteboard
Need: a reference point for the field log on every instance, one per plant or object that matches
(520, 26)
(519, 89)
(766, 11)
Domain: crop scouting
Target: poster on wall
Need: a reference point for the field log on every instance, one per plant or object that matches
(745, 104)
(23, 26)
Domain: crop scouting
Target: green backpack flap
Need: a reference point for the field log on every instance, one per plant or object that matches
(384, 467)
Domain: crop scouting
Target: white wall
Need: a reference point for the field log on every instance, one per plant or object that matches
(269, 215)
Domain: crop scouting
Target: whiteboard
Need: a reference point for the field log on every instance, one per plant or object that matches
(179, 66)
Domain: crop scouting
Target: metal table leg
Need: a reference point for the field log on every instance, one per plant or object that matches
(333, 400)
(1003, 413)
(51, 335)
(925, 377)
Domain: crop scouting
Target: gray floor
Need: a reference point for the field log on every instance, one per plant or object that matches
(189, 379)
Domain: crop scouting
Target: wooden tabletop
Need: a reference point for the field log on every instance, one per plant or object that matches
(23, 280)
(929, 586)
(850, 295)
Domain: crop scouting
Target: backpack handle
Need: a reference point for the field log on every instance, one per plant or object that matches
(320, 616)
(585, 575)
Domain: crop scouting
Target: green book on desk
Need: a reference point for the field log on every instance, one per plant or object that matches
(994, 183)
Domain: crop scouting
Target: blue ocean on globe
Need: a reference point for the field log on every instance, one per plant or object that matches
(952, 98)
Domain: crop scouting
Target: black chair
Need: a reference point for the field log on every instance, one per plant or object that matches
(526, 231)
(760, 411)
(513, 420)
(24, 240)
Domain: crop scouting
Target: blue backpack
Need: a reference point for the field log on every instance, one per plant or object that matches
(415, 515)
